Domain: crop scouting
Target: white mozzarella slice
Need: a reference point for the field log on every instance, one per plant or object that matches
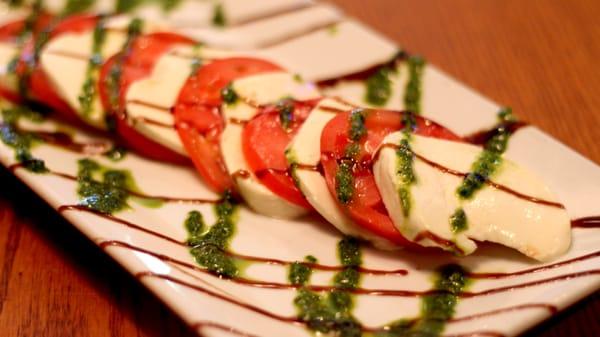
(539, 231)
(305, 150)
(151, 98)
(65, 61)
(268, 31)
(260, 89)
(8, 51)
(331, 52)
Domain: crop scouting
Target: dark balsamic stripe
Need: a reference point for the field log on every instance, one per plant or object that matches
(149, 105)
(551, 309)
(587, 222)
(203, 325)
(289, 319)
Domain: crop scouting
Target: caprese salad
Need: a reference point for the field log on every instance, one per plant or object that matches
(254, 129)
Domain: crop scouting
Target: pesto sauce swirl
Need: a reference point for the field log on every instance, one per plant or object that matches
(207, 246)
(484, 166)
(113, 80)
(412, 94)
(436, 309)
(21, 141)
(25, 34)
(89, 89)
(229, 95)
(344, 178)
(102, 189)
(219, 19)
(333, 312)
(76, 6)
(379, 86)
(107, 190)
(405, 156)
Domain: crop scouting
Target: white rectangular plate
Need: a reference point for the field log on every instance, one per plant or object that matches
(217, 307)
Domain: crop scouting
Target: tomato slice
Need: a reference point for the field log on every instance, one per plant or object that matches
(198, 119)
(138, 64)
(40, 86)
(365, 206)
(11, 32)
(264, 141)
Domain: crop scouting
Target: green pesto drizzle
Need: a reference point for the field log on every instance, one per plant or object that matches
(285, 107)
(19, 140)
(490, 159)
(24, 36)
(101, 189)
(405, 156)
(379, 86)
(436, 309)
(333, 312)
(219, 19)
(484, 167)
(300, 272)
(208, 246)
(412, 94)
(113, 80)
(229, 95)
(108, 190)
(405, 173)
(89, 89)
(357, 125)
(76, 6)
(352, 150)
(196, 60)
(344, 181)
(126, 6)
(15, 3)
(458, 221)
(169, 5)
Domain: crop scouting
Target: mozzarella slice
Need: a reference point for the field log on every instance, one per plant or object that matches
(151, 98)
(305, 150)
(260, 89)
(65, 61)
(537, 230)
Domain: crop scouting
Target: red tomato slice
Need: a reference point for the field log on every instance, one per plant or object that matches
(197, 115)
(10, 33)
(366, 207)
(40, 86)
(138, 64)
(264, 142)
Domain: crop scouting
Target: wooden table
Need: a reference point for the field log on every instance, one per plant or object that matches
(539, 56)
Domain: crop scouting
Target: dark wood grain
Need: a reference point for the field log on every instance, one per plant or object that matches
(539, 56)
